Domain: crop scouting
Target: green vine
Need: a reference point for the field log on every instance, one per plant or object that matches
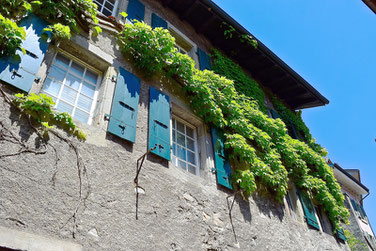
(11, 37)
(261, 151)
(353, 242)
(39, 108)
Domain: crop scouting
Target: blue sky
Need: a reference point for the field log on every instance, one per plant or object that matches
(331, 44)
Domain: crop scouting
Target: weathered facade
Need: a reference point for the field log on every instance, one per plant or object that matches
(49, 202)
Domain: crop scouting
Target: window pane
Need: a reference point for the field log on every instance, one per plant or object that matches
(173, 136)
(191, 158)
(57, 73)
(180, 127)
(61, 60)
(190, 144)
(91, 77)
(77, 69)
(109, 6)
(106, 12)
(84, 103)
(64, 107)
(191, 169)
(51, 87)
(189, 132)
(73, 81)
(182, 164)
(98, 1)
(181, 139)
(181, 153)
(69, 95)
(82, 116)
(88, 89)
(173, 123)
(173, 149)
(112, 1)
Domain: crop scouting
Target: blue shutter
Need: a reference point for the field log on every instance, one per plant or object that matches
(136, 10)
(159, 123)
(294, 134)
(204, 60)
(222, 164)
(309, 211)
(355, 205)
(22, 74)
(123, 119)
(341, 234)
(274, 114)
(157, 21)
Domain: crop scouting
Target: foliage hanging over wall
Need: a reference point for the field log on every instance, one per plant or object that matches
(261, 150)
(11, 37)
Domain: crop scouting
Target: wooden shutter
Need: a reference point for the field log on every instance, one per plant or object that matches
(341, 234)
(293, 131)
(22, 74)
(157, 21)
(222, 164)
(136, 10)
(274, 114)
(204, 60)
(309, 210)
(123, 119)
(159, 123)
(355, 205)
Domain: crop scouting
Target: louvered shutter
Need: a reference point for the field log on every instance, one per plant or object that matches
(159, 123)
(204, 60)
(157, 21)
(123, 119)
(222, 164)
(274, 114)
(309, 210)
(341, 234)
(293, 131)
(355, 205)
(136, 10)
(22, 74)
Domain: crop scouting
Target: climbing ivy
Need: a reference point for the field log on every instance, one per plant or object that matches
(261, 151)
(11, 37)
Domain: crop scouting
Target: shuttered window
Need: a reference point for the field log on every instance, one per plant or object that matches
(159, 123)
(106, 7)
(136, 10)
(204, 60)
(341, 234)
(123, 118)
(22, 74)
(157, 21)
(222, 164)
(309, 210)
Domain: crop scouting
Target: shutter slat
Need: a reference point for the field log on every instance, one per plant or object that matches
(274, 114)
(157, 21)
(22, 74)
(309, 210)
(136, 10)
(159, 123)
(204, 60)
(222, 164)
(123, 119)
(341, 234)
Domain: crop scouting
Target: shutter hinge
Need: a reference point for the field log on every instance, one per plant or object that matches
(214, 170)
(37, 80)
(107, 117)
(113, 78)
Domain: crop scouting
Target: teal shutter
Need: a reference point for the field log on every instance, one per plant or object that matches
(294, 134)
(159, 123)
(222, 164)
(204, 60)
(123, 119)
(363, 213)
(157, 21)
(309, 211)
(136, 10)
(274, 114)
(22, 74)
(355, 205)
(341, 234)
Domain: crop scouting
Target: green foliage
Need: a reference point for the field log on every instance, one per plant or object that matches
(16, 9)
(230, 31)
(59, 31)
(354, 243)
(260, 149)
(11, 37)
(39, 108)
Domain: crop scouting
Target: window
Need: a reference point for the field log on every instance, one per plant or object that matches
(181, 44)
(72, 86)
(184, 146)
(180, 49)
(106, 7)
(291, 205)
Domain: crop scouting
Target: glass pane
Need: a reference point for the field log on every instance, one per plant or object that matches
(190, 144)
(57, 73)
(182, 164)
(73, 81)
(192, 169)
(61, 60)
(112, 1)
(180, 127)
(88, 89)
(181, 139)
(181, 153)
(109, 6)
(173, 136)
(64, 107)
(91, 77)
(84, 103)
(189, 131)
(174, 149)
(51, 87)
(106, 12)
(69, 95)
(81, 116)
(173, 123)
(98, 1)
(77, 69)
(191, 158)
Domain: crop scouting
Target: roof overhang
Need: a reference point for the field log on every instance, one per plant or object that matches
(268, 69)
(371, 4)
(347, 179)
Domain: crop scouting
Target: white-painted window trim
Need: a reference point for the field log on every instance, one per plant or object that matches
(102, 6)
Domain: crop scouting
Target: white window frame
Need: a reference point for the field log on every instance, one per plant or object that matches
(174, 158)
(290, 205)
(86, 67)
(102, 7)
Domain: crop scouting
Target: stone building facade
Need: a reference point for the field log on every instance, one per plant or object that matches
(49, 202)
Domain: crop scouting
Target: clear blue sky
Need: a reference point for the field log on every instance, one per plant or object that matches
(331, 44)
